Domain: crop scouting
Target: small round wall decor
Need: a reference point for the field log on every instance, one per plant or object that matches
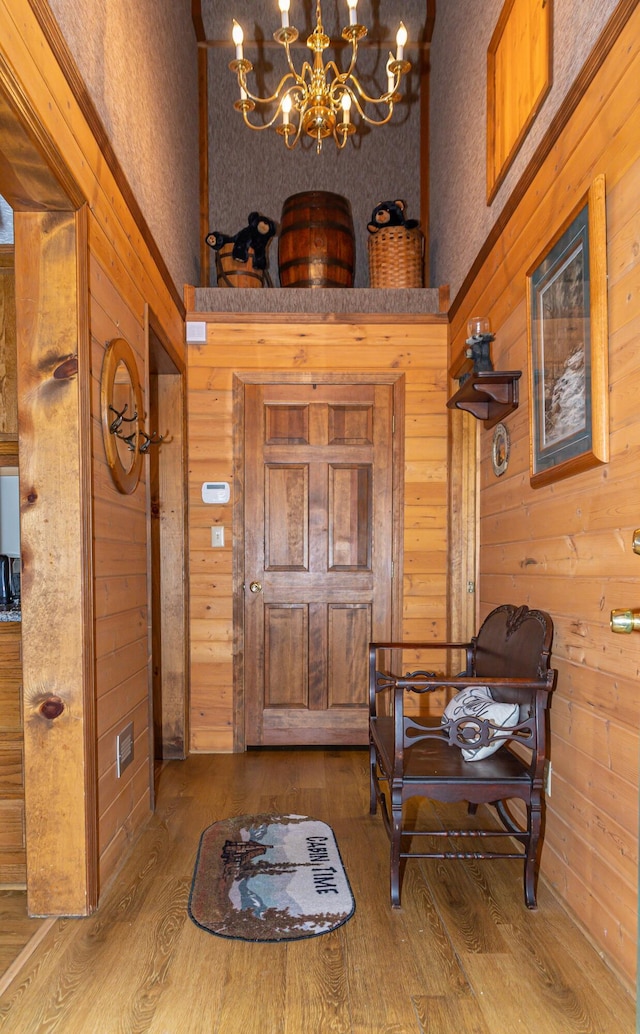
(500, 449)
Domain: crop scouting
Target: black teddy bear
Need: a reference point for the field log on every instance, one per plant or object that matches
(256, 236)
(390, 213)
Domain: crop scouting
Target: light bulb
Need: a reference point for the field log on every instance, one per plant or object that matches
(478, 326)
(352, 4)
(238, 36)
(401, 39)
(286, 109)
(345, 102)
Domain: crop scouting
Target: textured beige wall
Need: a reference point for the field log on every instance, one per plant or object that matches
(460, 219)
(250, 170)
(139, 64)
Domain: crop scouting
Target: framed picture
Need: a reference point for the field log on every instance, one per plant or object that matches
(516, 88)
(568, 346)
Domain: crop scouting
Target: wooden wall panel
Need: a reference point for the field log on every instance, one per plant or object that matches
(419, 351)
(566, 547)
(8, 378)
(13, 867)
(120, 569)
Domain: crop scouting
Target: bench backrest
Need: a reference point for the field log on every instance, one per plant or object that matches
(513, 642)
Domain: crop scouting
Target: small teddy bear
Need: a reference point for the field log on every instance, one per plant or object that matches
(255, 236)
(390, 213)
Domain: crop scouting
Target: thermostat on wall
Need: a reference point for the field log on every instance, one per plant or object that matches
(215, 492)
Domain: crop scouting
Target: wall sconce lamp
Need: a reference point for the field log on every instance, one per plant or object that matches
(478, 344)
(485, 393)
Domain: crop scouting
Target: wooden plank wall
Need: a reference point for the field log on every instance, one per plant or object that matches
(567, 547)
(120, 560)
(123, 278)
(416, 348)
(8, 376)
(13, 862)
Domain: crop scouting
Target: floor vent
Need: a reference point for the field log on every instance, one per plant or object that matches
(124, 748)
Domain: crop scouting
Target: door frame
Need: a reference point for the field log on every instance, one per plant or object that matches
(168, 589)
(241, 378)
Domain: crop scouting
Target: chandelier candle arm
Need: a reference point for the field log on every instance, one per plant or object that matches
(318, 101)
(244, 66)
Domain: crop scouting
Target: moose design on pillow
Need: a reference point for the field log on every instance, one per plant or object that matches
(477, 704)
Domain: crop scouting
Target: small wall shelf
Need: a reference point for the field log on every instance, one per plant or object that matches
(488, 395)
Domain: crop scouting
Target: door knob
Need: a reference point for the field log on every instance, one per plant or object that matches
(625, 621)
(256, 586)
(636, 541)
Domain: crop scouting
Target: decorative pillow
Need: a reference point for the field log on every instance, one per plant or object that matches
(477, 702)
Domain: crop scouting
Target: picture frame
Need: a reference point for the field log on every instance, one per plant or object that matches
(568, 346)
(516, 89)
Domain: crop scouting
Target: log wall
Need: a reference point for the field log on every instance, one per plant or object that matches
(566, 547)
(418, 349)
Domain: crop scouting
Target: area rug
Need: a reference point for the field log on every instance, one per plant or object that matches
(269, 878)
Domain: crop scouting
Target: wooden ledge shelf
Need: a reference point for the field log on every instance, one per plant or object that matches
(488, 395)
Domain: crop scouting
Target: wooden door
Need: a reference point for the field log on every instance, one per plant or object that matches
(318, 557)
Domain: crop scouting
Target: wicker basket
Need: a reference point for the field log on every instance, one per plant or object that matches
(232, 273)
(396, 257)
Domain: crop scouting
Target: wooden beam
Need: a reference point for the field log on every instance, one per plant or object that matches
(27, 182)
(55, 435)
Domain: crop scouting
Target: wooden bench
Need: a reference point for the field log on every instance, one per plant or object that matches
(414, 756)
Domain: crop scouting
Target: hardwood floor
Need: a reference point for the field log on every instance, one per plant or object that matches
(463, 954)
(17, 931)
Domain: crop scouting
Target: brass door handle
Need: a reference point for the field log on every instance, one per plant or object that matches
(256, 587)
(625, 621)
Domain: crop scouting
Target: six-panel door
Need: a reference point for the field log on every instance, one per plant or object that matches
(318, 537)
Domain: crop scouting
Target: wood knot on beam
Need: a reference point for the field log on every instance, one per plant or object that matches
(52, 707)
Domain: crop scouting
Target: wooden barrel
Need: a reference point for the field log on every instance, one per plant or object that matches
(316, 246)
(232, 273)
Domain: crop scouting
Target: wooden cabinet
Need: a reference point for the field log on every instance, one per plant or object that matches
(12, 837)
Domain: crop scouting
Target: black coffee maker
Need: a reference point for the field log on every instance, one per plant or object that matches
(5, 580)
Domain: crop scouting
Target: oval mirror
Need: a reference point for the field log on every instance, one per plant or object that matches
(121, 403)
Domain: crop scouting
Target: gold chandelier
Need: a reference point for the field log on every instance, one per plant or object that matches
(318, 101)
